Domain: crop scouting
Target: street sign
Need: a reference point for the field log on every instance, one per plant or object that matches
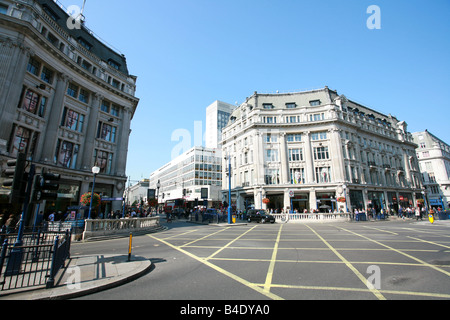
(291, 193)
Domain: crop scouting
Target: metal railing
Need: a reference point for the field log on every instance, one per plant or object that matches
(35, 262)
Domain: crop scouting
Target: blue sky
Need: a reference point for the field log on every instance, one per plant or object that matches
(189, 53)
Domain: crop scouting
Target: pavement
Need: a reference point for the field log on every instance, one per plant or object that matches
(86, 275)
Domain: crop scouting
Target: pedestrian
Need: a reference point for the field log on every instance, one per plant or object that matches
(51, 217)
(418, 214)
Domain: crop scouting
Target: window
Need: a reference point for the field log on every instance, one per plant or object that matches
(30, 101)
(66, 154)
(72, 120)
(114, 64)
(34, 66)
(317, 117)
(106, 132)
(47, 75)
(33, 103)
(292, 119)
(103, 160)
(297, 137)
(321, 153)
(115, 84)
(268, 106)
(271, 138)
(72, 90)
(84, 96)
(295, 154)
(105, 107)
(3, 9)
(314, 103)
(323, 174)
(318, 136)
(270, 119)
(291, 105)
(297, 176)
(272, 176)
(115, 110)
(84, 43)
(20, 141)
(271, 155)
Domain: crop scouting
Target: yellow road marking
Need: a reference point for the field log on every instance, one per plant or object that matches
(430, 242)
(207, 236)
(351, 267)
(272, 262)
(407, 293)
(222, 271)
(229, 244)
(381, 230)
(401, 252)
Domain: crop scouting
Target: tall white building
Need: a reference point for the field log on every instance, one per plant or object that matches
(184, 178)
(217, 116)
(317, 150)
(434, 160)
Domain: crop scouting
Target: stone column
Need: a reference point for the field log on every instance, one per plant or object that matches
(91, 133)
(285, 176)
(120, 162)
(53, 115)
(14, 59)
(310, 176)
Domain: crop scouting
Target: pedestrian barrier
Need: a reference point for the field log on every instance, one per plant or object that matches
(36, 262)
(310, 217)
(118, 227)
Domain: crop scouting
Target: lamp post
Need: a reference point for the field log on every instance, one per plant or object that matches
(228, 157)
(95, 171)
(158, 185)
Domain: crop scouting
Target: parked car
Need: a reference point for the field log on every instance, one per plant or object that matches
(211, 215)
(259, 215)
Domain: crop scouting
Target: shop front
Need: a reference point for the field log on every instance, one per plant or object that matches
(326, 201)
(356, 200)
(406, 200)
(300, 203)
(68, 196)
(376, 201)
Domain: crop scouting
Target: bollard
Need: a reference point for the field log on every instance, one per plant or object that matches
(130, 244)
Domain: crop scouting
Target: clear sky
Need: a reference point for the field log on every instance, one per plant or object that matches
(189, 53)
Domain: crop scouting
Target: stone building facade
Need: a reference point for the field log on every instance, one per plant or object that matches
(66, 101)
(318, 150)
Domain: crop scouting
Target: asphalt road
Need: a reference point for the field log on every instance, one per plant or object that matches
(394, 260)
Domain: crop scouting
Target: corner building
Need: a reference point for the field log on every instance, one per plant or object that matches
(66, 101)
(318, 150)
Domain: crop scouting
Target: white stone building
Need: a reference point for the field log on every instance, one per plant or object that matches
(434, 160)
(317, 150)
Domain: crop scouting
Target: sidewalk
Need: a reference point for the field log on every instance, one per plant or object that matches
(86, 275)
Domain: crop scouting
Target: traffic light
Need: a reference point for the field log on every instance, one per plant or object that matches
(44, 187)
(16, 178)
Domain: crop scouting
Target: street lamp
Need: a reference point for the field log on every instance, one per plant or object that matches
(95, 171)
(229, 188)
(158, 185)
